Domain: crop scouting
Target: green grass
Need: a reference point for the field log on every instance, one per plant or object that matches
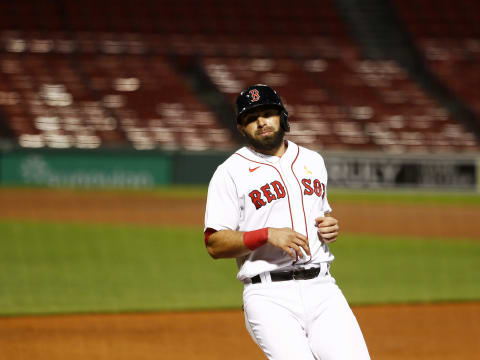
(375, 269)
(50, 268)
(406, 196)
(65, 268)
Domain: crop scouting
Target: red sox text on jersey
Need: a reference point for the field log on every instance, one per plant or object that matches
(275, 190)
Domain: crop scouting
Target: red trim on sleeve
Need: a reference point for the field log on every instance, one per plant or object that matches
(207, 233)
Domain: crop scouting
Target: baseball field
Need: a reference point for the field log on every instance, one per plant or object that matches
(110, 274)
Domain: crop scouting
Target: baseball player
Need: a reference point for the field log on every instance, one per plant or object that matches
(267, 207)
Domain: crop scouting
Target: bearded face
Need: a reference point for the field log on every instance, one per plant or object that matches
(262, 129)
(266, 141)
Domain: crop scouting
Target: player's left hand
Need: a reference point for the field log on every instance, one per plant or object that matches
(327, 228)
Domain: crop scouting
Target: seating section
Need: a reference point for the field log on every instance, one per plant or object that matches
(440, 18)
(448, 35)
(89, 74)
(339, 101)
(91, 100)
(252, 19)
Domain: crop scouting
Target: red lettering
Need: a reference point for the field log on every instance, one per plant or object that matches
(255, 95)
(318, 187)
(257, 200)
(279, 190)
(308, 189)
(266, 191)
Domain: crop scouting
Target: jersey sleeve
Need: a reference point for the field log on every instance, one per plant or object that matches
(223, 208)
(326, 208)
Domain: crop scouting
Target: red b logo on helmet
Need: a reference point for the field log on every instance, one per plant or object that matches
(254, 94)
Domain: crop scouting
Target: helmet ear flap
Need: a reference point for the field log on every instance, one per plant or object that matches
(284, 121)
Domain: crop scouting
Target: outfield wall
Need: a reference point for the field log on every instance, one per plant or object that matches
(105, 168)
(125, 168)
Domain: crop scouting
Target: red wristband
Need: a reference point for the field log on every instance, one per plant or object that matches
(255, 239)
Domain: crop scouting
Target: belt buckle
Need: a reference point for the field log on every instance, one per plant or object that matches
(296, 273)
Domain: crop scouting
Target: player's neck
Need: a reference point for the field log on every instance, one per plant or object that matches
(278, 151)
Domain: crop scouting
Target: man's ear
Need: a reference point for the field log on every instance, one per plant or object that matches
(240, 129)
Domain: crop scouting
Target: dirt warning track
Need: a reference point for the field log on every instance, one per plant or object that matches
(426, 332)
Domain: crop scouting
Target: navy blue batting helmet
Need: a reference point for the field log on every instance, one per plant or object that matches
(260, 96)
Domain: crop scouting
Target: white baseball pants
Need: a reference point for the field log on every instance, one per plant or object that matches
(303, 320)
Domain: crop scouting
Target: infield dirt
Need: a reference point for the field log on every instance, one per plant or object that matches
(435, 331)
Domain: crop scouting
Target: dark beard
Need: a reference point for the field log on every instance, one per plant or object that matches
(267, 144)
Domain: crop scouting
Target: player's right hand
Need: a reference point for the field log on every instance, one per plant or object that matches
(289, 241)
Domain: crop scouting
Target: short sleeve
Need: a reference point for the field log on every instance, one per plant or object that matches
(222, 209)
(326, 208)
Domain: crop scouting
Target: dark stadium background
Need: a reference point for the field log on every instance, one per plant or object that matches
(114, 115)
(395, 78)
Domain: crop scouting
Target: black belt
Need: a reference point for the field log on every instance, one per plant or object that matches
(300, 274)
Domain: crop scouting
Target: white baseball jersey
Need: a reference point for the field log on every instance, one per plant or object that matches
(250, 191)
